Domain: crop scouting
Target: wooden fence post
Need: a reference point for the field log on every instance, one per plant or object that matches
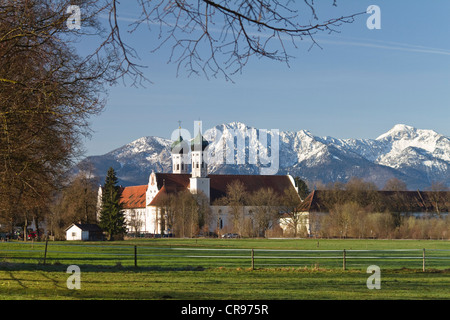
(45, 252)
(423, 260)
(344, 263)
(135, 256)
(253, 260)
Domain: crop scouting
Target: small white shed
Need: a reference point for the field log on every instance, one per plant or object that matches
(84, 232)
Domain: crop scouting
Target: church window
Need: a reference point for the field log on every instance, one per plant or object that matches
(178, 167)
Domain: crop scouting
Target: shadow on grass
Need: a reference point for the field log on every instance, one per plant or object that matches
(58, 267)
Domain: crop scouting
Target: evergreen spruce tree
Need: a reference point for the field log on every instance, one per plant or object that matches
(303, 189)
(112, 219)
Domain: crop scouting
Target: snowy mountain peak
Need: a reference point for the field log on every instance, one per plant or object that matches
(405, 132)
(233, 125)
(398, 130)
(402, 127)
(415, 156)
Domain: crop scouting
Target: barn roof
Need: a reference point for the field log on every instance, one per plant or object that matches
(86, 227)
(395, 201)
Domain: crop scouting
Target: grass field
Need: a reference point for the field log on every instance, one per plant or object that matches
(194, 269)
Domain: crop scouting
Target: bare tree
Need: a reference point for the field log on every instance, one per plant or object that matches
(363, 193)
(186, 214)
(76, 201)
(168, 209)
(135, 221)
(204, 212)
(289, 203)
(220, 37)
(236, 199)
(395, 184)
(266, 209)
(47, 95)
(440, 197)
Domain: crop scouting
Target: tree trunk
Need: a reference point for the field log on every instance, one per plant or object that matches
(25, 225)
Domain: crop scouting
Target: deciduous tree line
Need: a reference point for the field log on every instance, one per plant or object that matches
(351, 220)
(357, 209)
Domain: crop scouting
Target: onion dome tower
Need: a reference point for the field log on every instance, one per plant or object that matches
(180, 151)
(199, 181)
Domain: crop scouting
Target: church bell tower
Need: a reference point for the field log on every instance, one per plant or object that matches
(199, 181)
(180, 151)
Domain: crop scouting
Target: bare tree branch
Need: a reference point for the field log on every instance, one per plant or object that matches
(219, 37)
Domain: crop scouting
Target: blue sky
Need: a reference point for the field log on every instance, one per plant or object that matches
(359, 85)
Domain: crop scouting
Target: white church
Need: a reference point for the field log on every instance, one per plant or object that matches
(143, 202)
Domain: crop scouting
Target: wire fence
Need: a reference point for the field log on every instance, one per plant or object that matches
(181, 257)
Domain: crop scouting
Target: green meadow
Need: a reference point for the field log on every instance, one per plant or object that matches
(221, 269)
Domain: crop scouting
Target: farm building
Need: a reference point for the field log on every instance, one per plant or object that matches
(416, 203)
(405, 203)
(84, 232)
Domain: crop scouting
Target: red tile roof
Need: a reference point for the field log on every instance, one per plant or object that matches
(133, 197)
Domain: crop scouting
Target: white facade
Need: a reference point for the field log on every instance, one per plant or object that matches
(222, 222)
(142, 220)
(199, 182)
(179, 163)
(137, 220)
(75, 233)
(303, 226)
(152, 188)
(199, 166)
(145, 219)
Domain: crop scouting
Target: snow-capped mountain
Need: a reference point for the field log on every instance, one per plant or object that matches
(422, 155)
(418, 157)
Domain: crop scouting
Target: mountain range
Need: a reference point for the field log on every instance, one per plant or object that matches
(416, 156)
